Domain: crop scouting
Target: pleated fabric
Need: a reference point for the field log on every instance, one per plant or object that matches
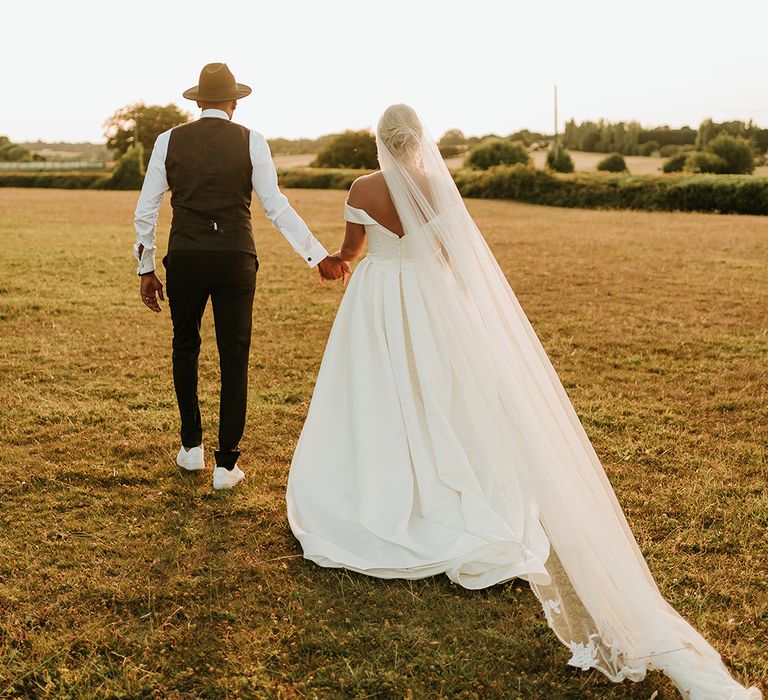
(389, 478)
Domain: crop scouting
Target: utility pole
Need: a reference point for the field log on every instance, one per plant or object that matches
(556, 115)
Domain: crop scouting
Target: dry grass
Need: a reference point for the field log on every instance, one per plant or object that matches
(120, 577)
(583, 162)
(587, 162)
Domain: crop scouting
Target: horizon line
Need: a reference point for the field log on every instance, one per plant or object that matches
(644, 127)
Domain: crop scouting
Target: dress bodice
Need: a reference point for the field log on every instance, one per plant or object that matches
(384, 246)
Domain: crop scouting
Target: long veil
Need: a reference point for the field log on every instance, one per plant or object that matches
(600, 597)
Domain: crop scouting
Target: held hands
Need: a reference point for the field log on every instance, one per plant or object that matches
(333, 268)
(151, 289)
(330, 269)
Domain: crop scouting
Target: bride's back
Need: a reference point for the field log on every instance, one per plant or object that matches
(371, 194)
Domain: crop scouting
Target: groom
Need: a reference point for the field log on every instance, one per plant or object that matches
(212, 166)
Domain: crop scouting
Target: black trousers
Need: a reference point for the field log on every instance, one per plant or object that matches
(229, 279)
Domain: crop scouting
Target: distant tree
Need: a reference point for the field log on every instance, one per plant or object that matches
(559, 160)
(707, 131)
(613, 163)
(647, 148)
(589, 140)
(581, 137)
(10, 151)
(664, 135)
(280, 146)
(451, 151)
(496, 151)
(453, 137)
(632, 139)
(736, 152)
(624, 137)
(675, 163)
(151, 120)
(757, 135)
(128, 174)
(605, 141)
(452, 143)
(529, 137)
(604, 137)
(619, 137)
(352, 149)
(572, 133)
(323, 141)
(704, 162)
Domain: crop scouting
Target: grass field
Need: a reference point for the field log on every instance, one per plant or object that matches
(584, 162)
(121, 577)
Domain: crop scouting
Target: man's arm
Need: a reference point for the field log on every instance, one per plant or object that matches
(277, 207)
(148, 206)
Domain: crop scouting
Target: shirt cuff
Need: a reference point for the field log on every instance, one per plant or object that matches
(147, 262)
(315, 255)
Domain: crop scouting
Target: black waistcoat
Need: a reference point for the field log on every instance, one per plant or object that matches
(208, 166)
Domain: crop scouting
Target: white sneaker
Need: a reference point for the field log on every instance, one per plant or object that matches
(192, 459)
(227, 478)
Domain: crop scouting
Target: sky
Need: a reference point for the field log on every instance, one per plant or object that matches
(322, 66)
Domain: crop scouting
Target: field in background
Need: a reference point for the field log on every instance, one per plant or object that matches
(587, 162)
(638, 165)
(583, 161)
(121, 577)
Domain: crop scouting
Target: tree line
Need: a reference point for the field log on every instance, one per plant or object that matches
(140, 124)
(149, 121)
(629, 138)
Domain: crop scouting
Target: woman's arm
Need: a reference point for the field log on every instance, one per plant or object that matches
(354, 242)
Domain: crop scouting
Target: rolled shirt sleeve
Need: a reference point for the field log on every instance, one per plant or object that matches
(276, 205)
(151, 197)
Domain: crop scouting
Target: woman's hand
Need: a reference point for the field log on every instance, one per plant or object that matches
(346, 272)
(333, 268)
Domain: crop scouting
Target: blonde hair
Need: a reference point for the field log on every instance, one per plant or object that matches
(400, 131)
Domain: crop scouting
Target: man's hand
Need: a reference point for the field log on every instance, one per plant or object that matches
(333, 268)
(151, 289)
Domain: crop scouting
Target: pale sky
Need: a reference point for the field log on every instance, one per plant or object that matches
(321, 66)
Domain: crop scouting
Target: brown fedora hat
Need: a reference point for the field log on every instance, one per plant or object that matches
(217, 84)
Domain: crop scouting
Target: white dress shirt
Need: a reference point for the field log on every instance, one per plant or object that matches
(275, 204)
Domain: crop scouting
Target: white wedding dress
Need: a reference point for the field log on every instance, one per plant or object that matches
(440, 440)
(409, 493)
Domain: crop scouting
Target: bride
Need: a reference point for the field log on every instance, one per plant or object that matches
(440, 439)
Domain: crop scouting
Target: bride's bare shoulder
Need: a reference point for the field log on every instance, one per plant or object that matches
(365, 188)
